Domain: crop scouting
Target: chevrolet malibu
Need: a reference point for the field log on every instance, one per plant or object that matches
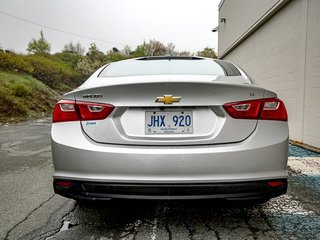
(170, 128)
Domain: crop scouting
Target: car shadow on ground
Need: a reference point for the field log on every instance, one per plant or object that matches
(115, 210)
(118, 218)
(196, 219)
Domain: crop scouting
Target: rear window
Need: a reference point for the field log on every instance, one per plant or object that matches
(163, 67)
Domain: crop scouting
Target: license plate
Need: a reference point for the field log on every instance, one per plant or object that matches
(169, 122)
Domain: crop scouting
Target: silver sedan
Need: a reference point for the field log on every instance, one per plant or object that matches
(170, 128)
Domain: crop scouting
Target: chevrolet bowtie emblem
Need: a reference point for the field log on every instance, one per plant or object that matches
(168, 99)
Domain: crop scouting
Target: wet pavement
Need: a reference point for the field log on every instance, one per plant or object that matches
(30, 210)
(295, 151)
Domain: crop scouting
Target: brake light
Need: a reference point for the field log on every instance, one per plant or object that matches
(264, 109)
(68, 110)
(65, 111)
(94, 111)
(274, 109)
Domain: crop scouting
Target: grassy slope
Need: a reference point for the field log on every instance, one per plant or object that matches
(23, 97)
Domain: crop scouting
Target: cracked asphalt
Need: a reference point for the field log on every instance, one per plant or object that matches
(30, 210)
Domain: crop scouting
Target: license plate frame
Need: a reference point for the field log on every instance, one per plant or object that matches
(168, 122)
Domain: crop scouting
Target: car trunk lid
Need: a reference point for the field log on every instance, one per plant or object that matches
(199, 110)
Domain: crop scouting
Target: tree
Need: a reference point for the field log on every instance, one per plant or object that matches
(94, 54)
(127, 51)
(70, 58)
(39, 46)
(74, 48)
(91, 61)
(151, 48)
(207, 52)
(114, 55)
(140, 51)
(183, 53)
(86, 67)
(156, 48)
(170, 49)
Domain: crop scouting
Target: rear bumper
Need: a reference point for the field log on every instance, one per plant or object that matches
(253, 190)
(262, 156)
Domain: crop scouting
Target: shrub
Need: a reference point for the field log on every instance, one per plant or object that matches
(15, 63)
(9, 106)
(86, 67)
(53, 73)
(21, 90)
(22, 96)
(57, 71)
(70, 58)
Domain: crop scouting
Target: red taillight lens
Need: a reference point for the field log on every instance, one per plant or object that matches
(265, 109)
(94, 111)
(244, 109)
(67, 110)
(274, 109)
(64, 111)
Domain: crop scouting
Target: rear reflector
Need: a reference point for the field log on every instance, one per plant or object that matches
(68, 110)
(275, 183)
(264, 109)
(65, 184)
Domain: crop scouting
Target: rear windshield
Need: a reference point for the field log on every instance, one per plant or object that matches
(163, 67)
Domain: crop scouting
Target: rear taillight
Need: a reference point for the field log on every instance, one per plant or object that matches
(274, 109)
(65, 111)
(68, 110)
(264, 109)
(94, 111)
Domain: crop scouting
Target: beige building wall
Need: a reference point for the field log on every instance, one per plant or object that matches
(239, 18)
(311, 121)
(283, 54)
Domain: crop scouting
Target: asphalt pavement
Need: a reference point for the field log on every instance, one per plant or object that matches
(30, 210)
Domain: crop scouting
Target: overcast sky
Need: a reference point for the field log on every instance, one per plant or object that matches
(186, 23)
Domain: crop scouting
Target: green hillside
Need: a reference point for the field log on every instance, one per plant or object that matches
(23, 97)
